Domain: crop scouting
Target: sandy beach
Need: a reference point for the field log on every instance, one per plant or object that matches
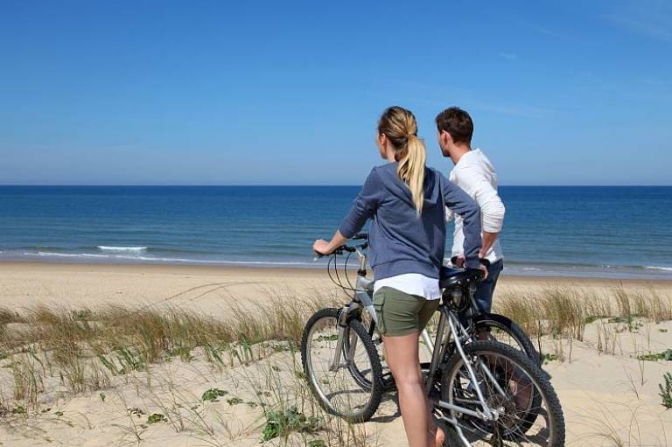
(609, 396)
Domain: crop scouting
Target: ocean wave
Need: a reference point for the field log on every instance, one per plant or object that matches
(121, 249)
(150, 259)
(665, 269)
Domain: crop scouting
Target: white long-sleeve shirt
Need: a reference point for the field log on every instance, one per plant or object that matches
(476, 176)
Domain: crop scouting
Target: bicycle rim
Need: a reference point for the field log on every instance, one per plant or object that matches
(361, 373)
(506, 331)
(336, 390)
(530, 412)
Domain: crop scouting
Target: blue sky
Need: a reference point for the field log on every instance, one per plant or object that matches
(270, 92)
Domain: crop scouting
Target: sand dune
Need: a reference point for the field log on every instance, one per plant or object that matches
(609, 396)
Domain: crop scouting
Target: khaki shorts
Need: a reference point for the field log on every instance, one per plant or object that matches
(400, 313)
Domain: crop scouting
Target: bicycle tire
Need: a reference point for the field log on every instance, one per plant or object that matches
(535, 401)
(336, 391)
(362, 379)
(512, 329)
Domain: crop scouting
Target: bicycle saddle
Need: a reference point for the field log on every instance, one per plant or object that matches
(452, 277)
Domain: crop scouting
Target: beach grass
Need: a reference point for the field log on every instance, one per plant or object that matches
(99, 351)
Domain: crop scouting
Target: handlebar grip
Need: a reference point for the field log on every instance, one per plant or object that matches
(484, 261)
(478, 273)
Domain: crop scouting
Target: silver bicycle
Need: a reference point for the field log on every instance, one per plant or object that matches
(485, 391)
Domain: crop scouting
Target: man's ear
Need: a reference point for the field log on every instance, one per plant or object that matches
(445, 137)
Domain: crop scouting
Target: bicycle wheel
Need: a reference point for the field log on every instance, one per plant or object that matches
(504, 330)
(362, 375)
(529, 410)
(452, 438)
(388, 379)
(336, 390)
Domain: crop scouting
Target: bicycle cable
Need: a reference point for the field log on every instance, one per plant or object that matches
(345, 271)
(337, 280)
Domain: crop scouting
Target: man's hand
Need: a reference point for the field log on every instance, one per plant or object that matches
(458, 261)
(484, 269)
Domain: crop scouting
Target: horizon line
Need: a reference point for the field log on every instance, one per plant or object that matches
(269, 185)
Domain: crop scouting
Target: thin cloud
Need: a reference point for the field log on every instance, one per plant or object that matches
(509, 56)
(651, 18)
(437, 97)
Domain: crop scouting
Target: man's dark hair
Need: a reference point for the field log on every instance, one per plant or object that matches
(457, 123)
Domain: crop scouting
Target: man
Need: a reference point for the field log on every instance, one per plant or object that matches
(474, 173)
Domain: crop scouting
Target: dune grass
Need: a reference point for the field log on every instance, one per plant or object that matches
(89, 350)
(566, 311)
(86, 347)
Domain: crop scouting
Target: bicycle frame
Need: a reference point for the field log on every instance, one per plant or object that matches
(361, 300)
(449, 328)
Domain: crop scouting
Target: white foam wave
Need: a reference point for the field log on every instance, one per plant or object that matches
(665, 269)
(167, 260)
(113, 248)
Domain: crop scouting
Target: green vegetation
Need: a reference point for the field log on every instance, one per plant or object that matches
(665, 355)
(213, 394)
(282, 423)
(666, 391)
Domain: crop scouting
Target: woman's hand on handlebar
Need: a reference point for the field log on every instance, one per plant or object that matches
(321, 247)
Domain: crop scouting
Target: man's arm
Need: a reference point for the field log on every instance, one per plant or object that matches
(488, 241)
(492, 208)
(459, 201)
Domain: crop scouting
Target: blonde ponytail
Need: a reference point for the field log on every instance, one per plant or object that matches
(400, 128)
(411, 170)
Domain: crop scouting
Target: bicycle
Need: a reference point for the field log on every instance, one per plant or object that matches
(332, 334)
(496, 326)
(487, 391)
(490, 410)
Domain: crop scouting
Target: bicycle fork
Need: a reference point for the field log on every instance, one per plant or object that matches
(362, 300)
(342, 324)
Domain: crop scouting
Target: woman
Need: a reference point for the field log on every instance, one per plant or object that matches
(406, 202)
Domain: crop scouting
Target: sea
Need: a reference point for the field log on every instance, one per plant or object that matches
(597, 232)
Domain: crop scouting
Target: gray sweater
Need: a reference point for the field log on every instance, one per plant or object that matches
(400, 241)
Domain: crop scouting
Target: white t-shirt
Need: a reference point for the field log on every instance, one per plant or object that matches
(476, 176)
(412, 284)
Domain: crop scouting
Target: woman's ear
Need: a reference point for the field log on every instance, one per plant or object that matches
(382, 140)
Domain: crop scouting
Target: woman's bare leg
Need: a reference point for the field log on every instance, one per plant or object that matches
(401, 354)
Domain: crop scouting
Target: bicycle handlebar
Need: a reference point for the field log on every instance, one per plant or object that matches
(484, 261)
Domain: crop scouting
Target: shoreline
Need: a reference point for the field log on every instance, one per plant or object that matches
(318, 271)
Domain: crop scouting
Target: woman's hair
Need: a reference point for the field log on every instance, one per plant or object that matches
(401, 130)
